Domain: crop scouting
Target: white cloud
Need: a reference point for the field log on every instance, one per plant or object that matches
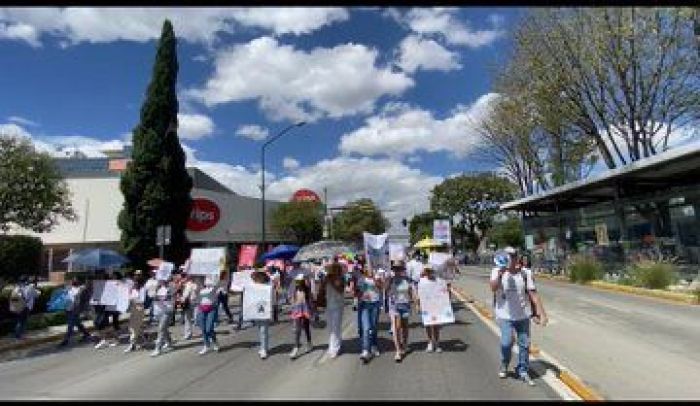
(402, 130)
(22, 121)
(253, 132)
(444, 22)
(106, 24)
(290, 163)
(419, 53)
(194, 126)
(299, 85)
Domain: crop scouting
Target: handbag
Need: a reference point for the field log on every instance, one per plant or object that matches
(206, 308)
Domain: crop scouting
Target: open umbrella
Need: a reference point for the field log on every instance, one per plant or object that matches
(322, 249)
(281, 252)
(97, 258)
(428, 243)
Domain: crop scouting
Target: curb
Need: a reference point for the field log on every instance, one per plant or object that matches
(566, 377)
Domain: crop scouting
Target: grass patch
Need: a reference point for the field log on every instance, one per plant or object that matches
(584, 268)
(652, 274)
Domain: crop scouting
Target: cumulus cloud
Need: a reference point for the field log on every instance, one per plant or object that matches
(74, 25)
(194, 126)
(22, 121)
(445, 23)
(300, 85)
(419, 53)
(253, 132)
(403, 130)
(290, 163)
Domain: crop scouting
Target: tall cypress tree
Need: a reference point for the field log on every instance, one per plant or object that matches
(156, 185)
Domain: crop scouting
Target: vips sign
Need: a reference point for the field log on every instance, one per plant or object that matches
(204, 215)
(305, 195)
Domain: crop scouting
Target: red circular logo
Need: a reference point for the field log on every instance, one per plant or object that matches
(203, 215)
(305, 195)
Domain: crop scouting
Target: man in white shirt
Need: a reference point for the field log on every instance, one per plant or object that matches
(415, 269)
(515, 296)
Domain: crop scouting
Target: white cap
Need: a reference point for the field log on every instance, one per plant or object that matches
(510, 250)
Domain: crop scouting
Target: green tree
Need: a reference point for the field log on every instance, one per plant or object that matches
(303, 220)
(33, 194)
(360, 216)
(508, 232)
(421, 226)
(156, 185)
(471, 201)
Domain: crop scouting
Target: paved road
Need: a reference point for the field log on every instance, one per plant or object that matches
(465, 370)
(625, 347)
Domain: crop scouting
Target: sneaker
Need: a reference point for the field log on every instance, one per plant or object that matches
(375, 351)
(333, 355)
(101, 344)
(204, 350)
(155, 352)
(113, 344)
(503, 372)
(263, 354)
(129, 348)
(397, 357)
(526, 378)
(365, 356)
(215, 347)
(166, 345)
(294, 353)
(430, 347)
(309, 347)
(437, 348)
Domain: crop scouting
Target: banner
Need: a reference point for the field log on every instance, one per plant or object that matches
(397, 252)
(257, 302)
(246, 255)
(435, 306)
(377, 250)
(240, 280)
(441, 231)
(207, 261)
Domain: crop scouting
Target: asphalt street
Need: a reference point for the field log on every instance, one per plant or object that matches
(467, 369)
(623, 346)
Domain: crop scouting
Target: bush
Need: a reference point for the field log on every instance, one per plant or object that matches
(35, 322)
(584, 268)
(652, 274)
(19, 255)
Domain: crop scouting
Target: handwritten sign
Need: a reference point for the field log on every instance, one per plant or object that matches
(165, 269)
(207, 261)
(397, 252)
(257, 302)
(240, 280)
(435, 306)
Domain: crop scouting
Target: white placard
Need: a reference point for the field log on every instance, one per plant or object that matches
(530, 241)
(376, 250)
(240, 280)
(105, 292)
(441, 231)
(122, 304)
(397, 252)
(257, 302)
(207, 261)
(435, 306)
(165, 269)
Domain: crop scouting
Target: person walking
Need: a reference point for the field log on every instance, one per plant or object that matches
(137, 298)
(207, 298)
(368, 292)
(515, 302)
(334, 287)
(74, 309)
(414, 269)
(222, 297)
(301, 313)
(22, 299)
(151, 286)
(432, 331)
(262, 278)
(112, 312)
(400, 295)
(189, 300)
(163, 308)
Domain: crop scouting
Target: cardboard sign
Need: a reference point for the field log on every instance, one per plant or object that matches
(122, 304)
(377, 250)
(106, 292)
(437, 260)
(208, 261)
(165, 269)
(397, 252)
(246, 255)
(257, 302)
(240, 280)
(435, 306)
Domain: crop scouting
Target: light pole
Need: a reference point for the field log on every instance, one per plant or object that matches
(262, 164)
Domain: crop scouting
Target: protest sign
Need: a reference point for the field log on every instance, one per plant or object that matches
(397, 252)
(257, 302)
(376, 250)
(441, 231)
(122, 304)
(165, 269)
(240, 280)
(435, 307)
(437, 260)
(105, 292)
(246, 255)
(207, 261)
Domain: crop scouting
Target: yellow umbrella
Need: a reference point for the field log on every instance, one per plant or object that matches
(427, 243)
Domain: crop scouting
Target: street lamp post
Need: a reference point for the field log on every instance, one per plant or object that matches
(262, 164)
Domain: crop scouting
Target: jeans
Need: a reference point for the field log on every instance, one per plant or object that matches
(223, 301)
(264, 331)
(164, 329)
(522, 330)
(21, 323)
(299, 324)
(335, 327)
(206, 323)
(369, 315)
(73, 321)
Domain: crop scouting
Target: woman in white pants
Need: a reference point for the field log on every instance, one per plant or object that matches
(334, 286)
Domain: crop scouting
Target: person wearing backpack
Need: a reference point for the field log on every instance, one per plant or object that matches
(73, 311)
(21, 303)
(515, 302)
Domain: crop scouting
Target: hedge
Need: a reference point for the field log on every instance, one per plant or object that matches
(19, 255)
(39, 303)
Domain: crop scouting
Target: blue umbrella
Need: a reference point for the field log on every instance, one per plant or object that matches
(281, 252)
(98, 258)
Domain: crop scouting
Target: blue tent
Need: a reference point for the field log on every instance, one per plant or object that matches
(281, 252)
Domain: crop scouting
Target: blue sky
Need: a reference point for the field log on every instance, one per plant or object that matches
(390, 96)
